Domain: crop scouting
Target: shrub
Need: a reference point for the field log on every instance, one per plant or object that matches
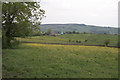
(69, 40)
(85, 40)
(76, 41)
(79, 41)
(8, 43)
(118, 44)
(14, 43)
(4, 40)
(106, 42)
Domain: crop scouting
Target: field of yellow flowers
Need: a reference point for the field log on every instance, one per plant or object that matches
(74, 47)
(34, 60)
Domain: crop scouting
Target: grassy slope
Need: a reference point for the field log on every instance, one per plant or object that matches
(93, 39)
(79, 27)
(59, 61)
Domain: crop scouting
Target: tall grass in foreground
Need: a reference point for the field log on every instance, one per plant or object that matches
(60, 61)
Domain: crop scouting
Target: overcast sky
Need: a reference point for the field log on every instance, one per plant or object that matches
(90, 12)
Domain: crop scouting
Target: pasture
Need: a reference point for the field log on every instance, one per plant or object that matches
(35, 60)
(60, 61)
(92, 39)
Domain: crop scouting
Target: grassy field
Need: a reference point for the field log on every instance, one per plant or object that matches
(60, 61)
(92, 39)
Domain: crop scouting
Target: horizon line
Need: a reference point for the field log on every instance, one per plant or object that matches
(84, 24)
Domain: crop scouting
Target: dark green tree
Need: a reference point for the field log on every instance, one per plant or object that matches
(107, 42)
(19, 19)
(49, 31)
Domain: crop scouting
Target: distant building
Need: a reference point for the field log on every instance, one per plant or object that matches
(54, 33)
(61, 33)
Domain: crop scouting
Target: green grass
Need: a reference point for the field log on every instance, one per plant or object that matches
(60, 61)
(92, 39)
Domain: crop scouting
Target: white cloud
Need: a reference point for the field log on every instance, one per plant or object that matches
(95, 12)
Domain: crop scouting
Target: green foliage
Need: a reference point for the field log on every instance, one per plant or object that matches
(49, 31)
(9, 42)
(107, 42)
(36, 31)
(79, 28)
(4, 40)
(19, 19)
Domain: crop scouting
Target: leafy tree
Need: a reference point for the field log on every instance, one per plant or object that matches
(19, 19)
(118, 44)
(74, 32)
(37, 31)
(49, 31)
(106, 42)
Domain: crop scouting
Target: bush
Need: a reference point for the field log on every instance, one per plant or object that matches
(69, 40)
(85, 40)
(8, 42)
(4, 40)
(79, 42)
(118, 44)
(106, 42)
(76, 41)
(14, 43)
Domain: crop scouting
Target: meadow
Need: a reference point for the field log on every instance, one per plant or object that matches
(92, 39)
(35, 60)
(60, 61)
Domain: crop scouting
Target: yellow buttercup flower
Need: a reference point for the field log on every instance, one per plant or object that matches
(73, 48)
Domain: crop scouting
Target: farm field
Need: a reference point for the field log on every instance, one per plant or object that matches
(92, 39)
(33, 60)
(57, 41)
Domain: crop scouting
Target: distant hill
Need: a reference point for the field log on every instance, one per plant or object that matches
(79, 28)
